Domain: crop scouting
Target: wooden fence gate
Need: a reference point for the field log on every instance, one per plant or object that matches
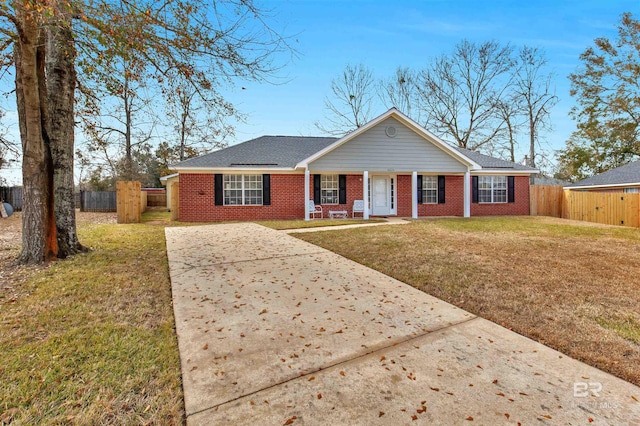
(609, 208)
(131, 202)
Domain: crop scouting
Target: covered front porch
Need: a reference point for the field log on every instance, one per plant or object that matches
(389, 193)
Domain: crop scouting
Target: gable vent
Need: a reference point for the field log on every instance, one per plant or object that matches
(391, 131)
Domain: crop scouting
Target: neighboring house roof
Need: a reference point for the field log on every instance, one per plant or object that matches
(262, 152)
(626, 175)
(541, 179)
(292, 152)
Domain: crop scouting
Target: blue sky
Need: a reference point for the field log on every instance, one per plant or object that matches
(385, 35)
(329, 34)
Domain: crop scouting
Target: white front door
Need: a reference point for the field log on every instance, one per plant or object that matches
(380, 195)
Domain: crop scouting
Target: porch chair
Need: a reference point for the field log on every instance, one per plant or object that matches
(358, 207)
(314, 210)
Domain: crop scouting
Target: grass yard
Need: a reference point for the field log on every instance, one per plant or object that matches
(91, 340)
(315, 223)
(573, 286)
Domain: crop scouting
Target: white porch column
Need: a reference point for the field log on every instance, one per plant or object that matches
(365, 194)
(467, 194)
(414, 195)
(306, 194)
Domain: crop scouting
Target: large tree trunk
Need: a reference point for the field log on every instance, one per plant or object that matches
(61, 83)
(38, 219)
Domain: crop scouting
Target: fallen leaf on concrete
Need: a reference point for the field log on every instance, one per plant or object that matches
(312, 378)
(290, 420)
(381, 413)
(469, 418)
(341, 373)
(414, 417)
(205, 347)
(435, 389)
(507, 415)
(319, 396)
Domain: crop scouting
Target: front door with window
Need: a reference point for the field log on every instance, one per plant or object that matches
(380, 195)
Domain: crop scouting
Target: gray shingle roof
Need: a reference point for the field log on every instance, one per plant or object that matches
(287, 151)
(629, 173)
(488, 162)
(265, 151)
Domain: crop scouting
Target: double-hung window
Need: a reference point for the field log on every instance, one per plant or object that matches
(492, 189)
(242, 190)
(430, 189)
(329, 187)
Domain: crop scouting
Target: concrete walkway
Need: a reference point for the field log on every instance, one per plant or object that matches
(273, 330)
(387, 221)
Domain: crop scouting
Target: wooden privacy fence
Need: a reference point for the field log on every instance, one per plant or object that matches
(97, 201)
(131, 202)
(609, 208)
(546, 200)
(175, 200)
(155, 199)
(12, 195)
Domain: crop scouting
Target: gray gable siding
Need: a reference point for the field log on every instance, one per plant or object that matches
(376, 152)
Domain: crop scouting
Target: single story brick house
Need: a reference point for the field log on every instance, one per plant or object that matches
(621, 179)
(399, 167)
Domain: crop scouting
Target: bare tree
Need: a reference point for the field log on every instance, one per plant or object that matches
(510, 111)
(399, 91)
(199, 120)
(349, 106)
(460, 93)
(534, 89)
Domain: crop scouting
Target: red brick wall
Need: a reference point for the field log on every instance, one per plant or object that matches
(404, 195)
(519, 207)
(354, 192)
(287, 195)
(197, 202)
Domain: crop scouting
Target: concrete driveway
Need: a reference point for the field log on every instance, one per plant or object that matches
(276, 331)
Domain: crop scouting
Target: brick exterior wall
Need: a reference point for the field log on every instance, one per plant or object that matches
(519, 207)
(354, 192)
(287, 199)
(197, 200)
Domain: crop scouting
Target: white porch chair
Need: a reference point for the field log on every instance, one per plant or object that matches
(314, 210)
(358, 207)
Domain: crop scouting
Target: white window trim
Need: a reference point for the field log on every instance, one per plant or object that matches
(423, 189)
(242, 191)
(493, 189)
(323, 188)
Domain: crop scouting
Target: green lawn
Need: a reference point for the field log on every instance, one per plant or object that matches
(91, 339)
(571, 285)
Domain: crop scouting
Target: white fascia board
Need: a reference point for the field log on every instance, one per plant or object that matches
(231, 170)
(611, 186)
(503, 172)
(409, 123)
(165, 178)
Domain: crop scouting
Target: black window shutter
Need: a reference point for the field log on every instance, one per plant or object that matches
(266, 190)
(511, 189)
(218, 195)
(474, 189)
(342, 189)
(316, 189)
(441, 189)
(419, 185)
